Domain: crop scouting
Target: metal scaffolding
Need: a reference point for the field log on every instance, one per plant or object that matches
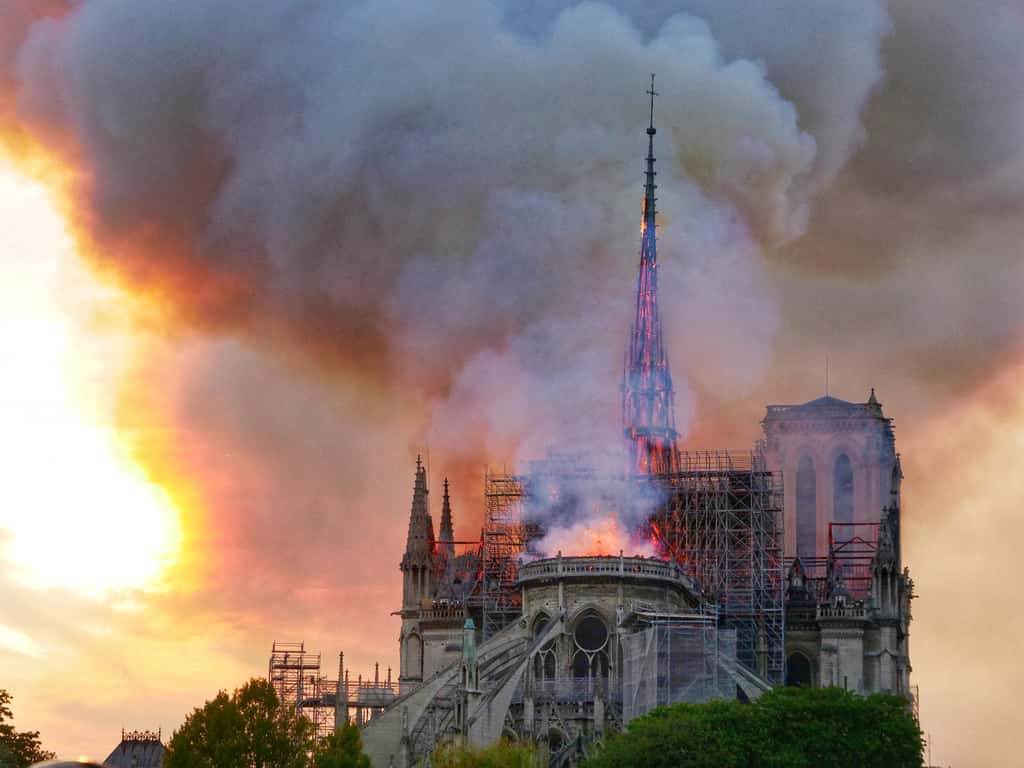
(722, 520)
(719, 516)
(851, 550)
(296, 677)
(295, 674)
(504, 536)
(510, 503)
(676, 658)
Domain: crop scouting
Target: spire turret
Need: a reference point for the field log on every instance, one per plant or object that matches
(421, 528)
(447, 531)
(895, 502)
(648, 399)
(418, 561)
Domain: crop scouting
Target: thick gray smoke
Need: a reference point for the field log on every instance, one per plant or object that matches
(448, 194)
(439, 206)
(581, 503)
(918, 243)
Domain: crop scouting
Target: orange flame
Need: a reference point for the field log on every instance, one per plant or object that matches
(597, 536)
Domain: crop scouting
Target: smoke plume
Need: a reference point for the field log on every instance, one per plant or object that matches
(441, 198)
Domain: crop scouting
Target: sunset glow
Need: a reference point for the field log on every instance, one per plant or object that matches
(76, 512)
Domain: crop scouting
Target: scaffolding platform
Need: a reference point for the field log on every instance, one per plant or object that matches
(851, 550)
(504, 536)
(722, 521)
(295, 674)
(676, 659)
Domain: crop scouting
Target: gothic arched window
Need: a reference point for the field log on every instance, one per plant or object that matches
(806, 509)
(544, 661)
(590, 656)
(798, 670)
(842, 490)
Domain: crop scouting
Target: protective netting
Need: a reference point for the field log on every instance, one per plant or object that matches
(669, 664)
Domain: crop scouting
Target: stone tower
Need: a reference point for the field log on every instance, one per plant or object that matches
(854, 633)
(837, 460)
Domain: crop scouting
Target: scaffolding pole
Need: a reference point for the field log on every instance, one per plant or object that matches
(295, 676)
(851, 549)
(503, 540)
(722, 521)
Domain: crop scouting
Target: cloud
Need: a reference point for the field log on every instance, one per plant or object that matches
(16, 641)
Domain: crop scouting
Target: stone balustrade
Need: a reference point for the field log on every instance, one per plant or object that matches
(620, 567)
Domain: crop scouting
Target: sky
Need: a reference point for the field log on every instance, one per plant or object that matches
(257, 257)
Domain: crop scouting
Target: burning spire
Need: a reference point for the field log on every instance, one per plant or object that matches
(648, 400)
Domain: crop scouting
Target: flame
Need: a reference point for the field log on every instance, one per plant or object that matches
(596, 536)
(655, 535)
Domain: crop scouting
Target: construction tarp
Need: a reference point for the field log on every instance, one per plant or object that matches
(666, 664)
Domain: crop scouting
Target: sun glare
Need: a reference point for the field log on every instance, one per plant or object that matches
(76, 511)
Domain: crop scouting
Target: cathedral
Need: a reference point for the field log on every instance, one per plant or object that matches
(779, 565)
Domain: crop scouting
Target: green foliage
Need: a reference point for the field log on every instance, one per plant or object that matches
(342, 749)
(252, 729)
(18, 749)
(501, 755)
(785, 728)
(249, 729)
(832, 727)
(7, 758)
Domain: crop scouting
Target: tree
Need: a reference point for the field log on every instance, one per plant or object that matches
(784, 728)
(342, 749)
(249, 729)
(719, 734)
(504, 754)
(18, 749)
(7, 757)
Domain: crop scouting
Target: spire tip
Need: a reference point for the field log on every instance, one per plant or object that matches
(651, 130)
